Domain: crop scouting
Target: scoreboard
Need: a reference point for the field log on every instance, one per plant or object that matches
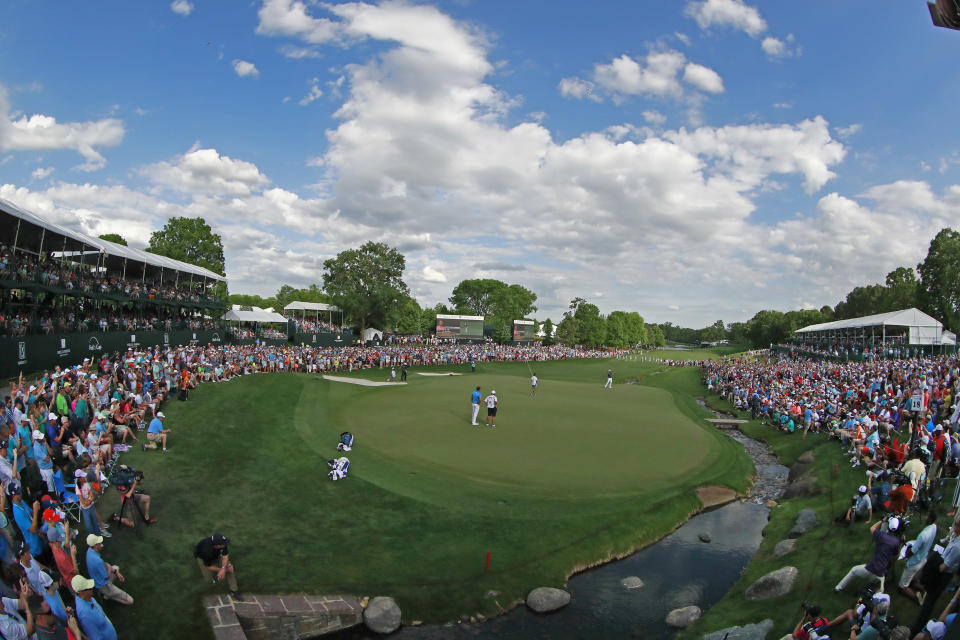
(524, 330)
(459, 327)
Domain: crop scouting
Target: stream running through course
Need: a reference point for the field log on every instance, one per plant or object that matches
(677, 571)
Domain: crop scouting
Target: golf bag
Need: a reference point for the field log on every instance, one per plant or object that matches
(346, 441)
(339, 468)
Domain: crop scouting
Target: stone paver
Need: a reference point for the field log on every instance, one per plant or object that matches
(281, 617)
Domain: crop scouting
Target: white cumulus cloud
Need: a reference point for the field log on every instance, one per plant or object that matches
(661, 74)
(183, 7)
(735, 14)
(243, 68)
(39, 132)
(703, 78)
(41, 172)
(206, 171)
(432, 275)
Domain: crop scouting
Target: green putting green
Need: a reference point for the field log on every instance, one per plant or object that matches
(572, 438)
(572, 477)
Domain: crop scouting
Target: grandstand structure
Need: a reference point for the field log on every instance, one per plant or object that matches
(906, 329)
(67, 296)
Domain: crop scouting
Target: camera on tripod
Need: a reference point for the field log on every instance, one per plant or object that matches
(123, 477)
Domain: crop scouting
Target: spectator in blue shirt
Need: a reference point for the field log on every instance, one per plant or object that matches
(156, 433)
(28, 521)
(93, 621)
(103, 573)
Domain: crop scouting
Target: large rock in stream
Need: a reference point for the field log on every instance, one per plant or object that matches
(683, 617)
(545, 599)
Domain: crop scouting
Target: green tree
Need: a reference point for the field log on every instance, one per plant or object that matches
(367, 283)
(940, 278)
(655, 337)
(592, 328)
(409, 319)
(287, 294)
(548, 332)
(618, 329)
(714, 333)
(247, 300)
(191, 240)
(902, 289)
(476, 297)
(500, 303)
(113, 237)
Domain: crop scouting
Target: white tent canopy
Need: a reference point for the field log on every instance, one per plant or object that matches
(252, 314)
(921, 328)
(310, 306)
(104, 246)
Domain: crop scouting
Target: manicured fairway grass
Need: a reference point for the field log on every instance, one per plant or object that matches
(569, 478)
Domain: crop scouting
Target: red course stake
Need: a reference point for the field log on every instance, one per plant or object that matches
(488, 563)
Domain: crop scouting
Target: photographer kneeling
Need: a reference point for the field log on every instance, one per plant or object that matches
(868, 617)
(125, 479)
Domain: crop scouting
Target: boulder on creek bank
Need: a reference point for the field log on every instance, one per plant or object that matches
(546, 599)
(772, 585)
(756, 631)
(806, 521)
(784, 547)
(382, 615)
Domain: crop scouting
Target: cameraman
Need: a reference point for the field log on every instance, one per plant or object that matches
(872, 626)
(135, 498)
(811, 625)
(887, 544)
(870, 607)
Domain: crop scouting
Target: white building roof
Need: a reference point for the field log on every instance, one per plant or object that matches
(903, 318)
(310, 306)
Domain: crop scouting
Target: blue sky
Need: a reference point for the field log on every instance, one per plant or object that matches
(690, 160)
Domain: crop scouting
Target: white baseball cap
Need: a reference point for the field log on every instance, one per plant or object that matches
(493, 393)
(893, 523)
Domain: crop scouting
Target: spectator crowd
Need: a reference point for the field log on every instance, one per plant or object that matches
(897, 419)
(61, 437)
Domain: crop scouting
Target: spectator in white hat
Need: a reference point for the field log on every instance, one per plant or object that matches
(156, 433)
(104, 574)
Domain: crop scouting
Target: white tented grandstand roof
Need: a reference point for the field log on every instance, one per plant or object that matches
(104, 246)
(252, 314)
(923, 329)
(310, 306)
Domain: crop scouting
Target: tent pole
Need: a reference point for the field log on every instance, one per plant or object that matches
(123, 274)
(43, 234)
(16, 236)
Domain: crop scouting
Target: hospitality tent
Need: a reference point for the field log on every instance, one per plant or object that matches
(253, 314)
(910, 327)
(316, 308)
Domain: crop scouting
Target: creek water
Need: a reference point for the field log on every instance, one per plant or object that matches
(677, 571)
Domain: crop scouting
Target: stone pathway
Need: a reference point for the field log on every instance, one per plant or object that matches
(290, 617)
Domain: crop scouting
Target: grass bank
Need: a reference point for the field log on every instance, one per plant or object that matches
(428, 495)
(822, 556)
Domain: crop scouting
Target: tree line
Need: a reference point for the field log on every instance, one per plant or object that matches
(366, 283)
